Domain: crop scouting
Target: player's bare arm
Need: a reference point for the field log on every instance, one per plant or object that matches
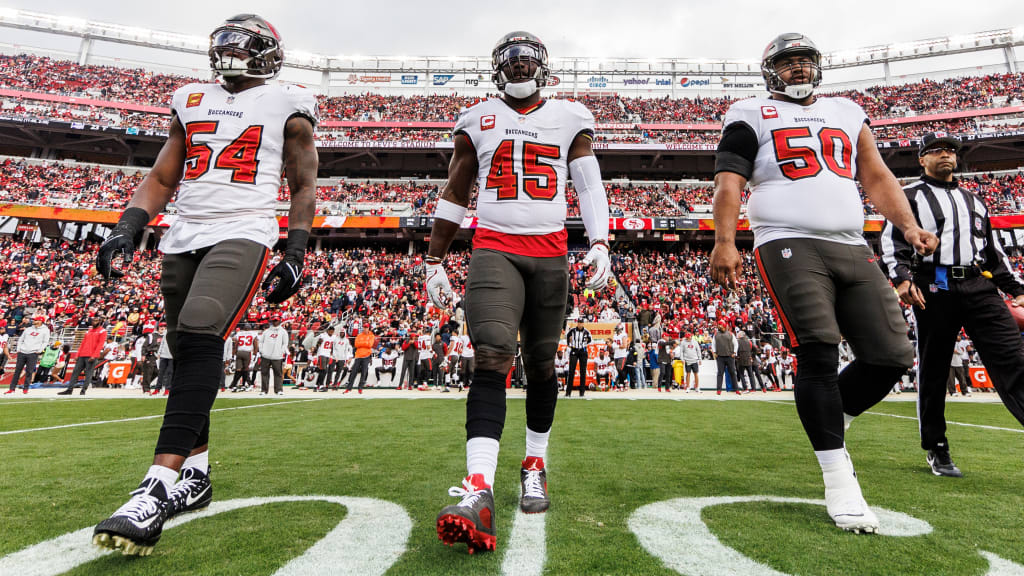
(461, 173)
(725, 259)
(885, 193)
(150, 198)
(300, 166)
(159, 186)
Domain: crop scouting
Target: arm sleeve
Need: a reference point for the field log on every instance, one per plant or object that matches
(897, 253)
(737, 149)
(586, 179)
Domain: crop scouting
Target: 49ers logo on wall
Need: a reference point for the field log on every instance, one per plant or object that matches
(632, 224)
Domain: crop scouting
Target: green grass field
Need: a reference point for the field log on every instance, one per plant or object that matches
(607, 458)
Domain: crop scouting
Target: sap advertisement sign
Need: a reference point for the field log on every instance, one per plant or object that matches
(694, 82)
(442, 79)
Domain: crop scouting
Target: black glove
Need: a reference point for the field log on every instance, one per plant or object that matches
(121, 241)
(288, 272)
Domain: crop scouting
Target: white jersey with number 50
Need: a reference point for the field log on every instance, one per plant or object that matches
(234, 159)
(523, 162)
(803, 181)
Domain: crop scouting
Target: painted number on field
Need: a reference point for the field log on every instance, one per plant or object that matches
(673, 532)
(368, 541)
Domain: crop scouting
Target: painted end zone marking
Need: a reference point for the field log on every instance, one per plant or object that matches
(674, 532)
(368, 541)
(527, 549)
(153, 416)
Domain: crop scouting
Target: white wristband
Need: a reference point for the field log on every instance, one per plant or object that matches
(449, 211)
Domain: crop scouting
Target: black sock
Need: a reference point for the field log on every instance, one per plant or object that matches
(541, 396)
(485, 405)
(193, 390)
(863, 385)
(816, 391)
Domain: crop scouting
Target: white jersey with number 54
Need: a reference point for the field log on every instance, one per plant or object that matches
(234, 159)
(803, 180)
(523, 163)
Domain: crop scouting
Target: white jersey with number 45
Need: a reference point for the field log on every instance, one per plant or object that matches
(803, 180)
(523, 163)
(234, 159)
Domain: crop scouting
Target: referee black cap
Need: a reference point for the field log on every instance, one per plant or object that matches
(931, 139)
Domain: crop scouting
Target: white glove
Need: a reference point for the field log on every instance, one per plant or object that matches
(438, 288)
(598, 258)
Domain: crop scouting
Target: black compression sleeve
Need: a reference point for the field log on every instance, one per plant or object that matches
(737, 150)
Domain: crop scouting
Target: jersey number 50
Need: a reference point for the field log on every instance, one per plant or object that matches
(799, 162)
(240, 156)
(540, 181)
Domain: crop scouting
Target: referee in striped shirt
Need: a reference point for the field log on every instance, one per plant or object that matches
(577, 339)
(956, 287)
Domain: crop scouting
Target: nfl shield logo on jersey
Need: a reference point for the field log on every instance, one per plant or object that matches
(787, 253)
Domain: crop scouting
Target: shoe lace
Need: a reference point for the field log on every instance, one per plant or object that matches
(532, 484)
(140, 506)
(184, 486)
(469, 493)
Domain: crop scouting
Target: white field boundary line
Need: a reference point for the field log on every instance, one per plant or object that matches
(914, 418)
(152, 417)
(20, 402)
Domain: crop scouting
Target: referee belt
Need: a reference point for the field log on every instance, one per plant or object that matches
(952, 272)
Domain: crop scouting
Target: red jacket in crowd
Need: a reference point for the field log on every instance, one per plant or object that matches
(92, 343)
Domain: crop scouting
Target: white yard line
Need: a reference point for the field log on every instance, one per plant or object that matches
(914, 418)
(20, 402)
(154, 416)
(527, 550)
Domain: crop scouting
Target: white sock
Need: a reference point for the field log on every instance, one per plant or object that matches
(482, 457)
(165, 475)
(847, 420)
(200, 461)
(831, 459)
(537, 443)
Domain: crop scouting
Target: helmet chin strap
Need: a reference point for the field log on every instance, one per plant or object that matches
(521, 90)
(796, 91)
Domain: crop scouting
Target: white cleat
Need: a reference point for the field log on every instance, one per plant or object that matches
(845, 502)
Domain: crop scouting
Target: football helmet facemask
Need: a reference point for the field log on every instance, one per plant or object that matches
(790, 44)
(246, 46)
(520, 81)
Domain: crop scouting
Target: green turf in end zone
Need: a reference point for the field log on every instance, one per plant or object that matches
(607, 458)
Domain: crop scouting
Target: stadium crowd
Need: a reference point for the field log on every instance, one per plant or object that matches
(67, 184)
(33, 73)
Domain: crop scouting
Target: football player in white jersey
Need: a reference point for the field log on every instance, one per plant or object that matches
(801, 155)
(246, 341)
(228, 146)
(521, 149)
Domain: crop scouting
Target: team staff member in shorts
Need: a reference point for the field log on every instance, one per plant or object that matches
(228, 147)
(956, 287)
(801, 155)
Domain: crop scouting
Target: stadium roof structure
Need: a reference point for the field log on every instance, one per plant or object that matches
(89, 30)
